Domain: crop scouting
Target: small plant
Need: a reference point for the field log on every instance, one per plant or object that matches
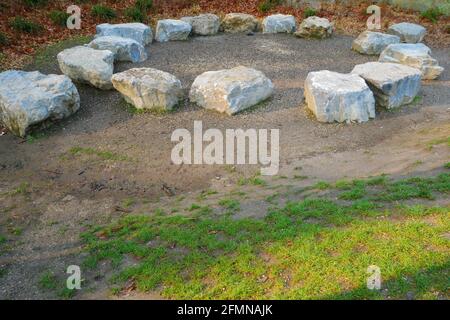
(309, 12)
(322, 185)
(35, 3)
(144, 4)
(3, 40)
(59, 17)
(48, 281)
(432, 14)
(267, 5)
(135, 14)
(103, 12)
(22, 25)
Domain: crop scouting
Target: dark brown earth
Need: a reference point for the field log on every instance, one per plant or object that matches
(63, 192)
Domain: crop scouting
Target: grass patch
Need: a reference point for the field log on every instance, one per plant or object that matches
(3, 39)
(20, 24)
(267, 5)
(59, 17)
(103, 12)
(256, 180)
(48, 281)
(322, 185)
(22, 189)
(437, 142)
(309, 12)
(104, 155)
(35, 3)
(231, 205)
(222, 258)
(432, 14)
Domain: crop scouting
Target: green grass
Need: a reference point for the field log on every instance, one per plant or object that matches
(322, 246)
(103, 12)
(432, 14)
(59, 17)
(322, 185)
(135, 14)
(309, 12)
(48, 281)
(35, 3)
(126, 203)
(437, 142)
(144, 5)
(104, 155)
(267, 5)
(21, 24)
(22, 189)
(3, 39)
(255, 180)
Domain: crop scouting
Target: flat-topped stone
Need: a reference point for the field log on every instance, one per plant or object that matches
(148, 88)
(315, 27)
(239, 22)
(204, 24)
(124, 49)
(87, 65)
(172, 30)
(231, 91)
(408, 32)
(136, 31)
(333, 96)
(393, 84)
(279, 23)
(414, 55)
(373, 43)
(32, 98)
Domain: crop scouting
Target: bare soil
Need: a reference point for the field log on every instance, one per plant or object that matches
(49, 195)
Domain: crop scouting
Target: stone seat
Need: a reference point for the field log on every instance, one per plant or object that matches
(333, 96)
(172, 30)
(373, 43)
(124, 49)
(136, 31)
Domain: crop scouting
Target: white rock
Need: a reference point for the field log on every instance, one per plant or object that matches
(30, 98)
(124, 49)
(279, 23)
(239, 22)
(339, 97)
(169, 30)
(231, 90)
(204, 24)
(392, 84)
(88, 65)
(408, 32)
(315, 27)
(373, 43)
(148, 88)
(136, 31)
(414, 55)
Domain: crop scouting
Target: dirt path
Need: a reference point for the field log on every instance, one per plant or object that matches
(105, 161)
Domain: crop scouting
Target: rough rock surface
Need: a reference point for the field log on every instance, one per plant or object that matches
(315, 27)
(136, 31)
(231, 91)
(279, 23)
(339, 97)
(239, 22)
(373, 43)
(414, 55)
(30, 98)
(172, 30)
(88, 65)
(408, 32)
(124, 49)
(393, 84)
(148, 88)
(204, 24)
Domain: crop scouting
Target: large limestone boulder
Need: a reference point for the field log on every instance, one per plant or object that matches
(204, 24)
(231, 91)
(31, 98)
(136, 31)
(147, 88)
(239, 22)
(88, 65)
(315, 27)
(393, 84)
(333, 96)
(172, 30)
(279, 23)
(373, 43)
(124, 49)
(414, 55)
(408, 32)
